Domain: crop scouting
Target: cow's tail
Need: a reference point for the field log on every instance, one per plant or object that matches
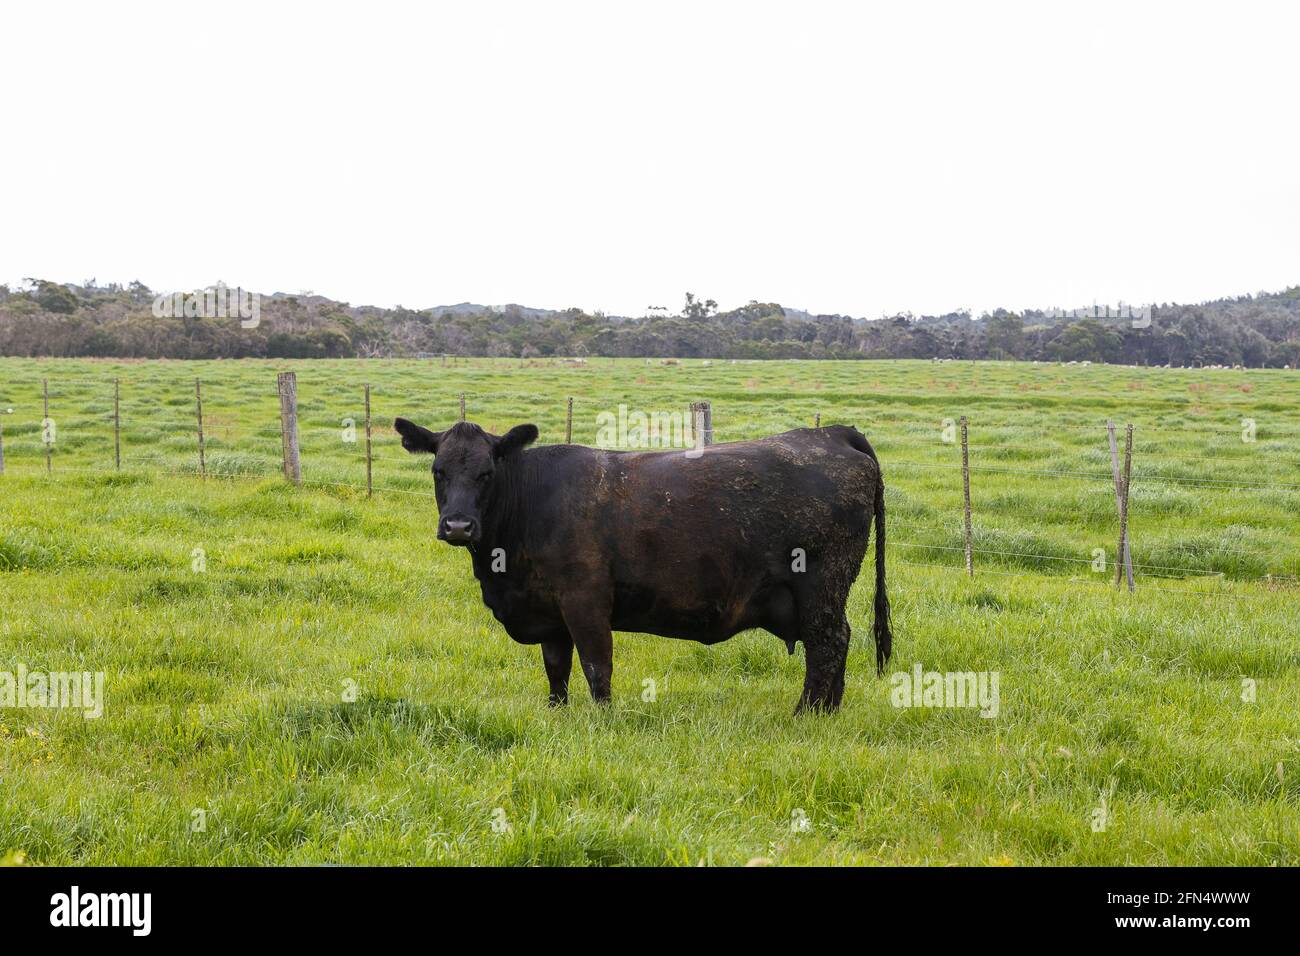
(884, 637)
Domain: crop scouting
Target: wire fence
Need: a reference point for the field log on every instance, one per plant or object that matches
(215, 430)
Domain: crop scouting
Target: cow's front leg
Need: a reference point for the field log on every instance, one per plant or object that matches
(588, 624)
(557, 655)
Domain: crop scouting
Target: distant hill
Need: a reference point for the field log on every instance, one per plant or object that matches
(63, 319)
(473, 308)
(528, 312)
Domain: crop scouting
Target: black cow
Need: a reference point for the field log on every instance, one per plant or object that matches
(569, 543)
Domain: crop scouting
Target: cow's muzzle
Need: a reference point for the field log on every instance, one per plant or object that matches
(458, 531)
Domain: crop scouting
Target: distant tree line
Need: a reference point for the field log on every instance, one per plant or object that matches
(47, 318)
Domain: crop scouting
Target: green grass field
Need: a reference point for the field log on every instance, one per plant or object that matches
(328, 688)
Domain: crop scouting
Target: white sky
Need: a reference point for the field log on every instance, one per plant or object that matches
(834, 157)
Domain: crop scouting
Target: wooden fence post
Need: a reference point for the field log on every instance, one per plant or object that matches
(702, 423)
(462, 406)
(117, 425)
(45, 427)
(1123, 510)
(198, 411)
(1123, 560)
(568, 424)
(965, 487)
(369, 487)
(288, 383)
(1117, 480)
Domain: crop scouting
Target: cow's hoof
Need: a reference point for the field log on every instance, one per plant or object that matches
(815, 706)
(554, 701)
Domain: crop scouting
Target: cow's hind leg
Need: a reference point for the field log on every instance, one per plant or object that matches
(588, 624)
(557, 655)
(826, 650)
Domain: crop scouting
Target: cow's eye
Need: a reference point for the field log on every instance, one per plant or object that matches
(485, 476)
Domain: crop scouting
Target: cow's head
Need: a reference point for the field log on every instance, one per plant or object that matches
(465, 461)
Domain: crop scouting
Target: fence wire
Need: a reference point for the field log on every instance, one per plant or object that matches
(225, 432)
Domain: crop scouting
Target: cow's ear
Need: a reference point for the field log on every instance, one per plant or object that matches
(416, 439)
(515, 439)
